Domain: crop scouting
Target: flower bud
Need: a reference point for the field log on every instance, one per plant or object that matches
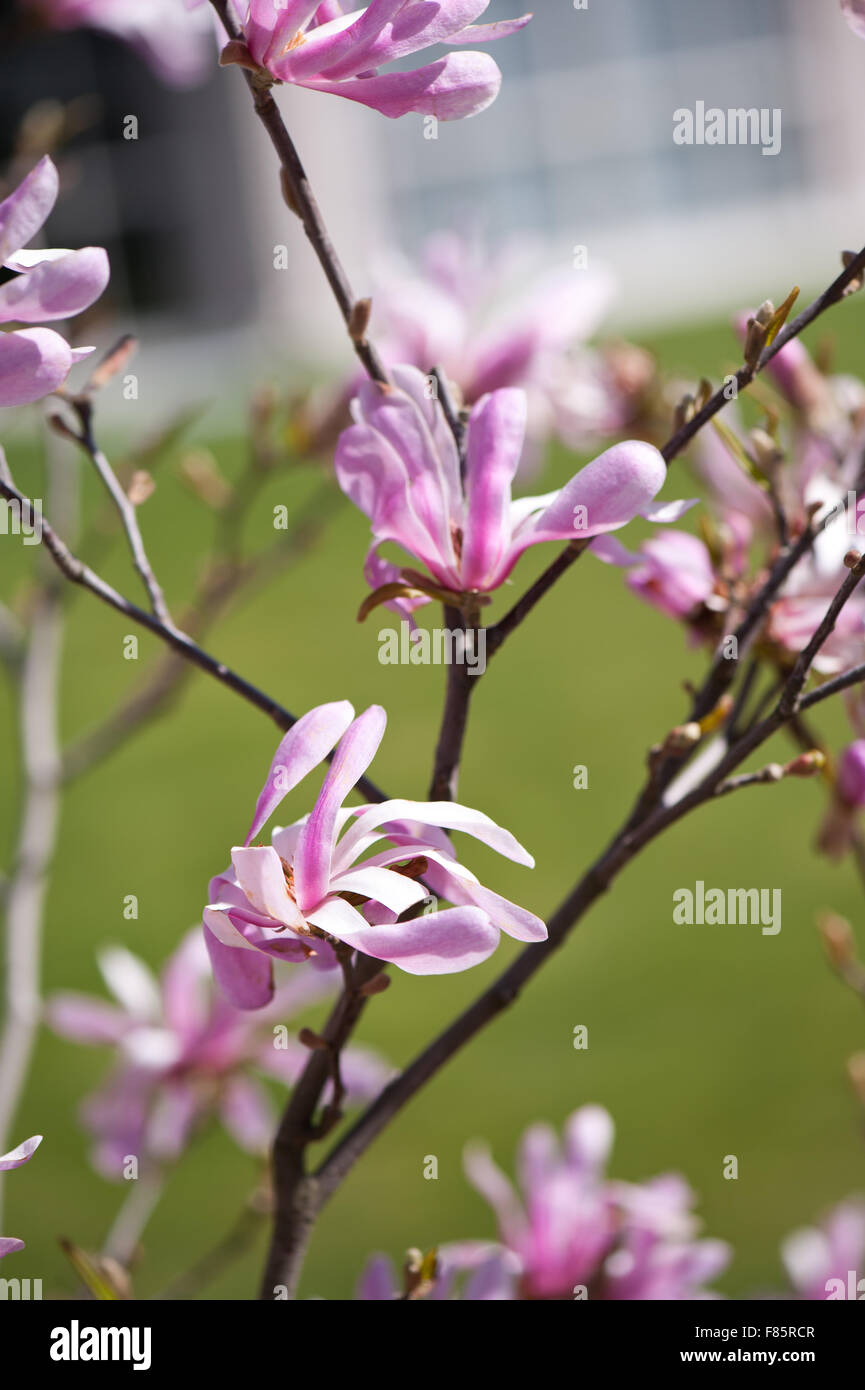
(850, 777)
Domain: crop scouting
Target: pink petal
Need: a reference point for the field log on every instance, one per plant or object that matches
(132, 983)
(312, 860)
(589, 1135)
(460, 85)
(377, 1283)
(449, 815)
(247, 1114)
(57, 289)
(261, 877)
(33, 362)
(612, 490)
(440, 943)
(340, 50)
(22, 1154)
(394, 891)
(372, 41)
(177, 1108)
(496, 434)
(184, 993)
(305, 745)
(486, 33)
(245, 977)
(86, 1020)
(487, 1178)
(504, 915)
(25, 210)
(9, 1245)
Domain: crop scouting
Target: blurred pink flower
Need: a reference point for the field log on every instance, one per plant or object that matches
(399, 465)
(49, 285)
(837, 827)
(575, 1233)
(816, 1255)
(293, 900)
(575, 1229)
(854, 12)
(317, 45)
(673, 572)
(9, 1244)
(175, 42)
(507, 319)
(184, 1055)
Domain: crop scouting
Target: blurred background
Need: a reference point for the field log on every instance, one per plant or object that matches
(702, 1042)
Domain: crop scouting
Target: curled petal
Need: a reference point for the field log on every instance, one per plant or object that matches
(305, 745)
(22, 1154)
(55, 289)
(25, 210)
(440, 943)
(451, 89)
(312, 860)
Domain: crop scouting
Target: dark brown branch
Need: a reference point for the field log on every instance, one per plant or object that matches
(624, 847)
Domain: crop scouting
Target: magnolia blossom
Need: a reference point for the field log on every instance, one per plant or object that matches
(317, 45)
(854, 12)
(310, 891)
(399, 464)
(673, 571)
(9, 1244)
(820, 1259)
(508, 319)
(175, 42)
(48, 285)
(575, 1233)
(184, 1055)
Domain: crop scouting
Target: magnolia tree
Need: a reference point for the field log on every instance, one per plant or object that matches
(479, 361)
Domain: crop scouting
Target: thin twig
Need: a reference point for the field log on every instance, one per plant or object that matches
(126, 509)
(302, 201)
(79, 573)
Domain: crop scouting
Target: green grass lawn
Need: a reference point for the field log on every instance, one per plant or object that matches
(703, 1042)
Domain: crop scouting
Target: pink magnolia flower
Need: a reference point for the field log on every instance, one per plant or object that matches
(317, 45)
(673, 571)
(399, 465)
(576, 1230)
(14, 1159)
(174, 41)
(310, 891)
(48, 285)
(185, 1055)
(854, 13)
(820, 1259)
